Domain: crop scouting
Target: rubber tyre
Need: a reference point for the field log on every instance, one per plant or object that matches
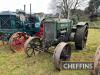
(81, 37)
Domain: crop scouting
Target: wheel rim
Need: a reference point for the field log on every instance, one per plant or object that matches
(29, 50)
(66, 53)
(61, 53)
(33, 46)
(83, 42)
(98, 69)
(85, 39)
(17, 41)
(86, 34)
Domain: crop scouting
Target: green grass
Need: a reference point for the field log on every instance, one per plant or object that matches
(18, 64)
(95, 24)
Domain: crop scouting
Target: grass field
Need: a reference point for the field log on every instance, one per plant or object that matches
(19, 64)
(95, 24)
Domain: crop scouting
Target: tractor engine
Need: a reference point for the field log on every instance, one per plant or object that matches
(64, 30)
(56, 30)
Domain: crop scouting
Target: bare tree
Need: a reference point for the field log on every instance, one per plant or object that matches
(66, 5)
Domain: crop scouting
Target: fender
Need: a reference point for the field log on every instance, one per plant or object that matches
(79, 24)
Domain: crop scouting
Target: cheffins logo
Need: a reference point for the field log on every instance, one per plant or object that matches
(77, 65)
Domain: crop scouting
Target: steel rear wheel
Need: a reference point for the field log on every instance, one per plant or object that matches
(96, 70)
(32, 45)
(16, 41)
(97, 61)
(61, 53)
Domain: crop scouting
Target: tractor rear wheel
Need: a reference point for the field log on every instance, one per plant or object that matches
(97, 60)
(32, 45)
(96, 70)
(17, 40)
(61, 53)
(81, 37)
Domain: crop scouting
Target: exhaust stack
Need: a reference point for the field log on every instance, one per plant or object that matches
(30, 9)
(24, 8)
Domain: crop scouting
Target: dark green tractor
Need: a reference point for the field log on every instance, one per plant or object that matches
(58, 33)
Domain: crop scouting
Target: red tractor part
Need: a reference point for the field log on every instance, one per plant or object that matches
(40, 33)
(17, 41)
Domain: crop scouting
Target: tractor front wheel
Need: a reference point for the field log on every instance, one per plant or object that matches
(61, 53)
(32, 45)
(17, 40)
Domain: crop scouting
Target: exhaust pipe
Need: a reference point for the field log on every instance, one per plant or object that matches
(24, 8)
(30, 9)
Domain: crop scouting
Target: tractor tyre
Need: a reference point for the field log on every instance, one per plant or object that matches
(81, 37)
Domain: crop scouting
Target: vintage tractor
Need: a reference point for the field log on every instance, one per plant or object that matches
(15, 28)
(57, 33)
(96, 70)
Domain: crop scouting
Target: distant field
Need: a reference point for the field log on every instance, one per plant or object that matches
(95, 24)
(18, 64)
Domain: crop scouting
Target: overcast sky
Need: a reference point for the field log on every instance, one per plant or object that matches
(37, 5)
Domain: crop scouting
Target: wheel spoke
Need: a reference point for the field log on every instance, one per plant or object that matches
(34, 46)
(17, 41)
